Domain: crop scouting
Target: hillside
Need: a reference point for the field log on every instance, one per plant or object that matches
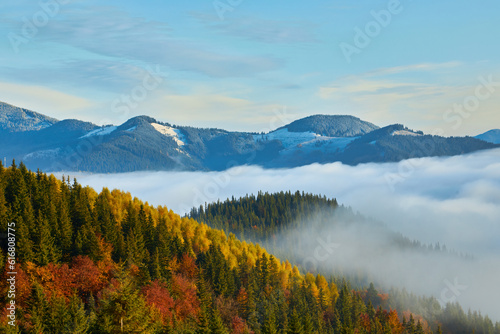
(106, 263)
(332, 126)
(144, 143)
(14, 119)
(492, 136)
(306, 228)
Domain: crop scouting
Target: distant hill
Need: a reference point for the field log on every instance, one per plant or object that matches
(144, 143)
(332, 125)
(492, 136)
(14, 119)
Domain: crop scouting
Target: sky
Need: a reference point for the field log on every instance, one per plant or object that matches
(236, 64)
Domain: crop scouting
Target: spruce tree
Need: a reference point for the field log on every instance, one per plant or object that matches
(203, 324)
(37, 309)
(123, 309)
(45, 248)
(79, 322)
(216, 324)
(269, 325)
(295, 324)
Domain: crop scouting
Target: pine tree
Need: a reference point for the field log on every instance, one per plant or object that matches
(216, 324)
(57, 315)
(307, 323)
(202, 292)
(295, 326)
(37, 309)
(45, 249)
(136, 248)
(269, 325)
(419, 329)
(203, 324)
(4, 215)
(372, 296)
(124, 310)
(344, 307)
(64, 231)
(79, 322)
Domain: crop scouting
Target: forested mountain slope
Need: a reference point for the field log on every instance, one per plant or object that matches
(311, 230)
(144, 143)
(103, 262)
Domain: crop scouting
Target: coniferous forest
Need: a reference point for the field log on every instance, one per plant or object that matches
(89, 262)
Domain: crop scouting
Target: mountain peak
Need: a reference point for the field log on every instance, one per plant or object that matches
(492, 136)
(332, 125)
(137, 121)
(15, 119)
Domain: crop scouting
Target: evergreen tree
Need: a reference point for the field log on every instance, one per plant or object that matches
(64, 231)
(216, 324)
(38, 310)
(269, 325)
(307, 323)
(124, 310)
(79, 322)
(45, 249)
(57, 316)
(295, 325)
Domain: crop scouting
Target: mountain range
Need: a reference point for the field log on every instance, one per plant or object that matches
(143, 143)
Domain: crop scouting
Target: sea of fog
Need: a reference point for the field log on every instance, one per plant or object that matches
(452, 200)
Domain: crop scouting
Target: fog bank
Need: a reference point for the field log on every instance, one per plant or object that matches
(453, 200)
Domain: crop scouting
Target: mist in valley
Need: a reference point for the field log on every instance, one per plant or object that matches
(453, 201)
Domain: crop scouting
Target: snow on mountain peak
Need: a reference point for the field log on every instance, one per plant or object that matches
(405, 133)
(168, 131)
(100, 132)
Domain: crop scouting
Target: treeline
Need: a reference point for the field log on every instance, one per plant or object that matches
(262, 217)
(269, 218)
(105, 262)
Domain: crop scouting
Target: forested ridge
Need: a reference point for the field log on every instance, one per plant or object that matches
(105, 262)
(271, 218)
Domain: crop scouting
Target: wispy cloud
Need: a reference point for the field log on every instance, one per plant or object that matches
(104, 74)
(41, 99)
(259, 29)
(413, 68)
(112, 32)
(420, 92)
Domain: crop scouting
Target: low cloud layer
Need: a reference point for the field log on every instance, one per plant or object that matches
(452, 200)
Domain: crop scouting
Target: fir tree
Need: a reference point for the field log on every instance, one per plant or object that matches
(295, 325)
(37, 309)
(216, 324)
(79, 321)
(203, 324)
(124, 310)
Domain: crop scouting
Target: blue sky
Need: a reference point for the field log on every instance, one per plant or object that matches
(255, 65)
